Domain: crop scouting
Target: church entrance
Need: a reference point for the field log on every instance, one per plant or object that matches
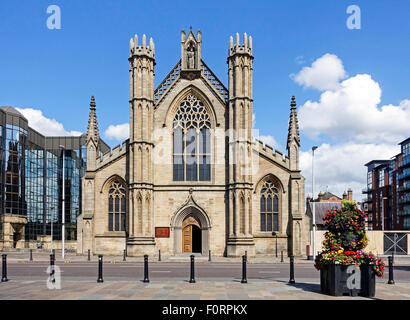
(191, 235)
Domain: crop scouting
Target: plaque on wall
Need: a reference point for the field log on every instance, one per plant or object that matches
(161, 232)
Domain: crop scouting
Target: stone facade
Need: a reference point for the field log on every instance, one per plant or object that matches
(132, 191)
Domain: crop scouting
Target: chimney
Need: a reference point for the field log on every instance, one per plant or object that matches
(349, 194)
(344, 195)
(320, 196)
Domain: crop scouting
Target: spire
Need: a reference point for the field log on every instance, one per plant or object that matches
(293, 133)
(92, 131)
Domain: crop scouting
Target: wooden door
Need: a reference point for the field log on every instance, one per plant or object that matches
(187, 238)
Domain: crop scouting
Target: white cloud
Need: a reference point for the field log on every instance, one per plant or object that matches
(269, 140)
(352, 113)
(118, 132)
(342, 166)
(324, 74)
(349, 112)
(44, 125)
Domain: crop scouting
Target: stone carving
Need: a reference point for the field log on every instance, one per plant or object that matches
(191, 57)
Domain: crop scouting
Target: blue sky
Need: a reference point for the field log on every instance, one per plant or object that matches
(56, 71)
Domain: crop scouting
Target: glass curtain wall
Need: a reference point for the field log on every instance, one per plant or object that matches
(15, 200)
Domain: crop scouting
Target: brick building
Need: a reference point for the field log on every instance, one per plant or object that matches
(388, 191)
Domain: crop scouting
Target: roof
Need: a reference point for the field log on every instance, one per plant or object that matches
(13, 111)
(374, 161)
(321, 208)
(404, 141)
(327, 195)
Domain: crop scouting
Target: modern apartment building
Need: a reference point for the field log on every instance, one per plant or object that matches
(388, 191)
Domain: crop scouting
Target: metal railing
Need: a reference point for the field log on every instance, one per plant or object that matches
(366, 190)
(405, 212)
(405, 162)
(404, 187)
(405, 174)
(404, 199)
(214, 81)
(167, 83)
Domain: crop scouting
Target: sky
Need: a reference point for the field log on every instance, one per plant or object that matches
(350, 79)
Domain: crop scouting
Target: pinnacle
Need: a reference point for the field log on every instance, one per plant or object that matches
(92, 103)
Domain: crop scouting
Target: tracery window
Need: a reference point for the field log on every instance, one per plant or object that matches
(116, 206)
(269, 207)
(191, 141)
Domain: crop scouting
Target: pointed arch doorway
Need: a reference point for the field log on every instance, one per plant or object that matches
(191, 235)
(191, 228)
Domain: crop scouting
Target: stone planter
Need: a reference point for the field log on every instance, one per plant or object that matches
(334, 277)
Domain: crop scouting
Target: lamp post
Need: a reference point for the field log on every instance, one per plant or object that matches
(52, 218)
(276, 243)
(63, 207)
(382, 211)
(313, 204)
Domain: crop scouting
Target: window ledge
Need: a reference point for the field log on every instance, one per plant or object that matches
(111, 234)
(269, 235)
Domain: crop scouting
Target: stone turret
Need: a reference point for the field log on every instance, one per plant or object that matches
(93, 144)
(240, 69)
(142, 62)
(293, 143)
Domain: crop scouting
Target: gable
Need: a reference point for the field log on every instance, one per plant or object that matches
(168, 104)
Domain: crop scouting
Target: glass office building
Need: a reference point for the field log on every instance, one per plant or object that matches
(31, 179)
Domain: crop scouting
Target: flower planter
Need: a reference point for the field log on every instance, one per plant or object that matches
(333, 281)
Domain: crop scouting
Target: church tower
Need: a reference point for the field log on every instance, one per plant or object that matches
(140, 223)
(93, 146)
(240, 186)
(296, 184)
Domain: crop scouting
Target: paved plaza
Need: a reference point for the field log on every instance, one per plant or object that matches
(217, 280)
(183, 290)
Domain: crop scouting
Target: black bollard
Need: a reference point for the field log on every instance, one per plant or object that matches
(159, 255)
(100, 269)
(244, 280)
(124, 255)
(391, 278)
(281, 256)
(52, 271)
(31, 254)
(146, 278)
(292, 269)
(4, 268)
(89, 255)
(192, 278)
(209, 258)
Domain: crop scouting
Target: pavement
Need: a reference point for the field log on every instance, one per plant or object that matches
(303, 289)
(44, 256)
(130, 287)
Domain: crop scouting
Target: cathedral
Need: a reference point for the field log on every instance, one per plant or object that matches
(192, 177)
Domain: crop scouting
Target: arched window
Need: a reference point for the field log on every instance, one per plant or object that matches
(192, 141)
(116, 206)
(269, 207)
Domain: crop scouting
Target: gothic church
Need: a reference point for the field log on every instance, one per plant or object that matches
(192, 177)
